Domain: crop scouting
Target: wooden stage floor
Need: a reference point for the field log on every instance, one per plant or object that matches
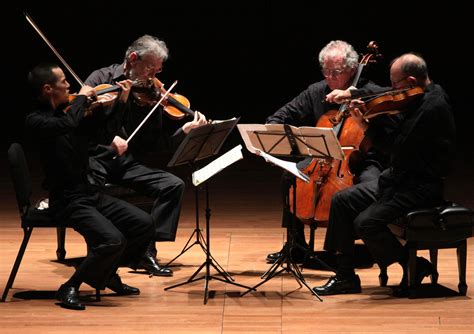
(245, 226)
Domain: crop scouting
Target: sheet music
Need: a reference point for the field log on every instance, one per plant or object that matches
(286, 165)
(203, 142)
(246, 130)
(311, 141)
(217, 121)
(217, 165)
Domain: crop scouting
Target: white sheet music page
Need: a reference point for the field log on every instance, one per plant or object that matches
(217, 165)
(286, 165)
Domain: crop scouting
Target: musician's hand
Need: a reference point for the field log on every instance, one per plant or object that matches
(199, 120)
(89, 92)
(119, 145)
(126, 86)
(357, 103)
(339, 96)
(357, 115)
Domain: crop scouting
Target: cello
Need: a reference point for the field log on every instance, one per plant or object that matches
(328, 176)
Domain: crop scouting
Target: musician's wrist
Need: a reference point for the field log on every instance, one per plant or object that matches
(354, 92)
(186, 128)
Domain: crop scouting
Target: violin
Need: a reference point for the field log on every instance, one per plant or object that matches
(391, 102)
(176, 106)
(152, 93)
(106, 95)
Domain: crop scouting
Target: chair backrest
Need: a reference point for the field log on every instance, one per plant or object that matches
(20, 176)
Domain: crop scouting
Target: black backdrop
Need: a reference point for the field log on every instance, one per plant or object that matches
(238, 58)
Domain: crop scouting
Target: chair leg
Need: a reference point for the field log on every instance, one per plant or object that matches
(61, 251)
(26, 237)
(462, 256)
(411, 271)
(312, 231)
(383, 277)
(434, 262)
(97, 295)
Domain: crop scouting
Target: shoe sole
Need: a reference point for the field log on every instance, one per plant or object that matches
(127, 294)
(151, 273)
(343, 292)
(72, 307)
(161, 275)
(275, 260)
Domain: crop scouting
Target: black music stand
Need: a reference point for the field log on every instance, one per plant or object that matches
(197, 146)
(201, 143)
(288, 141)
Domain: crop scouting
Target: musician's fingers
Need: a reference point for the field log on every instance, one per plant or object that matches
(202, 118)
(355, 112)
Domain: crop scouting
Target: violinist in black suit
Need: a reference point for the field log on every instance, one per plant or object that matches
(116, 232)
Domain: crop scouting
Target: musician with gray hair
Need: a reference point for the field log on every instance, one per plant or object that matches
(143, 60)
(339, 62)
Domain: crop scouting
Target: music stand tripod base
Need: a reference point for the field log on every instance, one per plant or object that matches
(199, 238)
(291, 142)
(208, 263)
(200, 143)
(285, 261)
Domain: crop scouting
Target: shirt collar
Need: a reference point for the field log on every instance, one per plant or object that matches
(118, 74)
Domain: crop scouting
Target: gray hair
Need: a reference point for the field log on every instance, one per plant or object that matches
(148, 44)
(338, 47)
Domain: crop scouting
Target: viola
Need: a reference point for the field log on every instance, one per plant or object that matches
(176, 106)
(390, 102)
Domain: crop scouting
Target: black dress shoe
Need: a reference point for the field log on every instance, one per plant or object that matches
(150, 264)
(337, 286)
(297, 256)
(273, 257)
(115, 284)
(424, 268)
(69, 298)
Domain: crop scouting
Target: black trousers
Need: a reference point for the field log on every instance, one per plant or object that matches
(166, 189)
(364, 211)
(368, 174)
(116, 232)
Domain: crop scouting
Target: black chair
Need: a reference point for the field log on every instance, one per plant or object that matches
(446, 226)
(30, 216)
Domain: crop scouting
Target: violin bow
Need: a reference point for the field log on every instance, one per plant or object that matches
(33, 24)
(151, 111)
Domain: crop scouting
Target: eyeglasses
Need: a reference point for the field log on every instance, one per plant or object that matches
(395, 83)
(150, 68)
(333, 73)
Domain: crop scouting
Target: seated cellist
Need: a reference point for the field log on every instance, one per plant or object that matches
(339, 62)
